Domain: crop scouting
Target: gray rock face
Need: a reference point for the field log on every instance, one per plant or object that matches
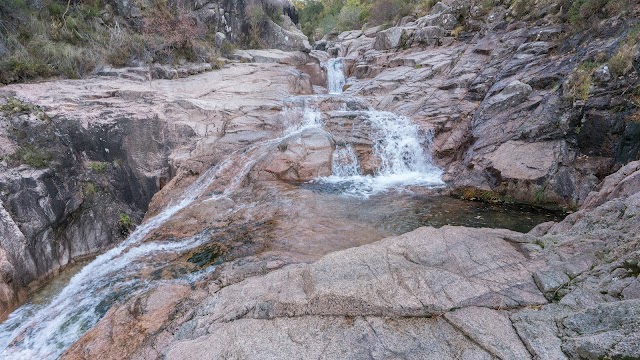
(484, 95)
(513, 94)
(401, 278)
(429, 35)
(445, 20)
(389, 39)
(285, 38)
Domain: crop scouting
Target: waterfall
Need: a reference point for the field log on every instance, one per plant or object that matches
(45, 331)
(335, 76)
(404, 156)
(398, 145)
(344, 162)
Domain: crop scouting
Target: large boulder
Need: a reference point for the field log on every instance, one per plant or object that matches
(389, 39)
(429, 35)
(285, 37)
(302, 157)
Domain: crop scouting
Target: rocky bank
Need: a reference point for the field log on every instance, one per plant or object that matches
(565, 290)
(295, 278)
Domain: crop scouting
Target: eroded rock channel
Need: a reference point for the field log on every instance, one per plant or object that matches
(292, 212)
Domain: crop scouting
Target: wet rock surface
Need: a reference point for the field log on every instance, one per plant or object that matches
(451, 292)
(281, 271)
(70, 171)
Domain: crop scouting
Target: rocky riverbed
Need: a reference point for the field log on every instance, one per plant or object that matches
(293, 206)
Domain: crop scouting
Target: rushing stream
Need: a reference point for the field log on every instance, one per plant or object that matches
(45, 328)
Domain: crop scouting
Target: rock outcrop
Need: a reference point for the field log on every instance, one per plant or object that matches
(237, 20)
(76, 177)
(494, 85)
(565, 290)
(282, 271)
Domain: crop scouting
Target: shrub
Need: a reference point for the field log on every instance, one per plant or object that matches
(257, 19)
(622, 62)
(16, 106)
(386, 11)
(310, 12)
(32, 156)
(123, 46)
(581, 12)
(98, 166)
(350, 17)
(125, 224)
(22, 66)
(89, 189)
(579, 83)
(170, 33)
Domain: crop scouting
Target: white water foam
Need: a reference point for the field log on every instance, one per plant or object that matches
(344, 162)
(335, 76)
(46, 331)
(404, 156)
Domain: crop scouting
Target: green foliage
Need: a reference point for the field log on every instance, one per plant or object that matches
(309, 13)
(16, 106)
(90, 189)
(98, 166)
(30, 155)
(125, 224)
(388, 11)
(319, 17)
(581, 13)
(351, 15)
(579, 83)
(540, 197)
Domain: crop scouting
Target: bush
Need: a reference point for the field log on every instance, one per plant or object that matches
(16, 106)
(579, 83)
(125, 224)
(123, 46)
(622, 62)
(387, 11)
(98, 166)
(309, 14)
(89, 189)
(169, 34)
(582, 12)
(32, 156)
(350, 17)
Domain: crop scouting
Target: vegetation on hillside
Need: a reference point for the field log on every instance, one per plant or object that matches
(319, 17)
(71, 38)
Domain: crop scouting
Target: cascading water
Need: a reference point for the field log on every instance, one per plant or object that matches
(404, 156)
(344, 162)
(335, 76)
(403, 152)
(45, 331)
